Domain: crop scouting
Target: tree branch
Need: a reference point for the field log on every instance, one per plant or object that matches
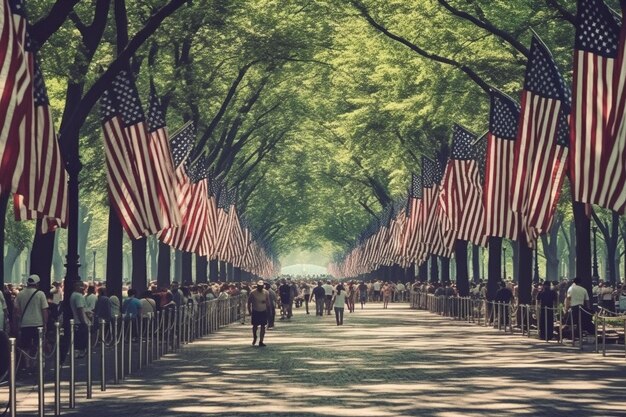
(565, 14)
(41, 30)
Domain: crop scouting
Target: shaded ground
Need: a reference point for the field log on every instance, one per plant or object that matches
(395, 362)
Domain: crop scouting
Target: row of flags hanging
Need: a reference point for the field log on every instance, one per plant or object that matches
(153, 185)
(157, 188)
(506, 183)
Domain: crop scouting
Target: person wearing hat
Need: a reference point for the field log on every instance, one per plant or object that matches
(31, 312)
(258, 306)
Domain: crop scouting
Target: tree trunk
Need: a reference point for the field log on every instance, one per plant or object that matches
(223, 271)
(516, 260)
(57, 260)
(140, 267)
(525, 270)
(186, 276)
(423, 271)
(583, 245)
(163, 268)
(476, 263)
(494, 269)
(201, 269)
(214, 270)
(178, 266)
(571, 260)
(4, 199)
(229, 272)
(462, 273)
(115, 255)
(9, 262)
(434, 268)
(410, 273)
(237, 274)
(41, 257)
(445, 269)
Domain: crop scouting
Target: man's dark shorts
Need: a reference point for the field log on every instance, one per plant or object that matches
(259, 318)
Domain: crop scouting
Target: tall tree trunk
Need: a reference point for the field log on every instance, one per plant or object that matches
(201, 269)
(41, 257)
(223, 271)
(525, 270)
(178, 266)
(115, 255)
(165, 260)
(57, 260)
(434, 268)
(83, 238)
(214, 270)
(186, 276)
(236, 274)
(4, 200)
(571, 259)
(516, 259)
(410, 273)
(583, 245)
(423, 271)
(494, 269)
(476, 263)
(139, 280)
(462, 273)
(445, 268)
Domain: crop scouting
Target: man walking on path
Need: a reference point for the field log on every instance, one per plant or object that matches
(31, 312)
(320, 295)
(362, 294)
(258, 305)
(329, 296)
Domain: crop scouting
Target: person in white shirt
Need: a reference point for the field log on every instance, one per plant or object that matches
(400, 288)
(328, 292)
(576, 301)
(339, 303)
(31, 311)
(376, 286)
(90, 301)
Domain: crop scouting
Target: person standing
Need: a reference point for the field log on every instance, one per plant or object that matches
(102, 309)
(306, 294)
(547, 299)
(31, 312)
(328, 289)
(376, 286)
(284, 292)
(258, 305)
(339, 303)
(576, 300)
(320, 297)
(362, 294)
(81, 321)
(387, 290)
(351, 296)
(271, 312)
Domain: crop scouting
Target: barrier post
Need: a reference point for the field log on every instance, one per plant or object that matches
(596, 330)
(122, 349)
(12, 390)
(116, 377)
(545, 323)
(89, 361)
(140, 334)
(130, 345)
(528, 319)
(103, 379)
(580, 328)
(57, 369)
(604, 336)
(625, 339)
(175, 330)
(40, 383)
(72, 367)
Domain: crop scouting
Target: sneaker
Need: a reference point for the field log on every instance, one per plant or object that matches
(262, 344)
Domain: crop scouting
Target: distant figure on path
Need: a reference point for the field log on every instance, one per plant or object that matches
(362, 294)
(271, 311)
(339, 302)
(320, 297)
(258, 305)
(387, 291)
(547, 299)
(329, 296)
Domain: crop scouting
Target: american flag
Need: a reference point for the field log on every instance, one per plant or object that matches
(461, 197)
(596, 46)
(161, 154)
(442, 237)
(45, 186)
(541, 148)
(614, 160)
(413, 239)
(429, 201)
(181, 144)
(16, 95)
(500, 219)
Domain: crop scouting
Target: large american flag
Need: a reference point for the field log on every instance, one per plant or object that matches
(161, 154)
(596, 46)
(614, 161)
(462, 189)
(429, 202)
(413, 238)
(500, 219)
(541, 148)
(15, 94)
(443, 236)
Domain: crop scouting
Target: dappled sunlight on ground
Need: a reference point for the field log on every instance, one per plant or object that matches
(395, 362)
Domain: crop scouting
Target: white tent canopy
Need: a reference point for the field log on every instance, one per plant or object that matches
(303, 270)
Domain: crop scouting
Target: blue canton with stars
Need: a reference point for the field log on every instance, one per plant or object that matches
(108, 107)
(480, 156)
(462, 141)
(199, 170)
(416, 186)
(596, 29)
(156, 118)
(181, 144)
(40, 93)
(562, 135)
(503, 116)
(542, 75)
(128, 99)
(428, 172)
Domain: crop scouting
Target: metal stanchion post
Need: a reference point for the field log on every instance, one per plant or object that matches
(604, 336)
(116, 375)
(158, 333)
(522, 316)
(545, 322)
(560, 311)
(130, 345)
(89, 361)
(175, 329)
(528, 319)
(140, 327)
(57, 369)
(500, 311)
(72, 367)
(624, 338)
(122, 348)
(596, 330)
(580, 328)
(12, 390)
(572, 328)
(40, 383)
(103, 378)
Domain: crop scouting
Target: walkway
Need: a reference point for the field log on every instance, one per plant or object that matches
(395, 362)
